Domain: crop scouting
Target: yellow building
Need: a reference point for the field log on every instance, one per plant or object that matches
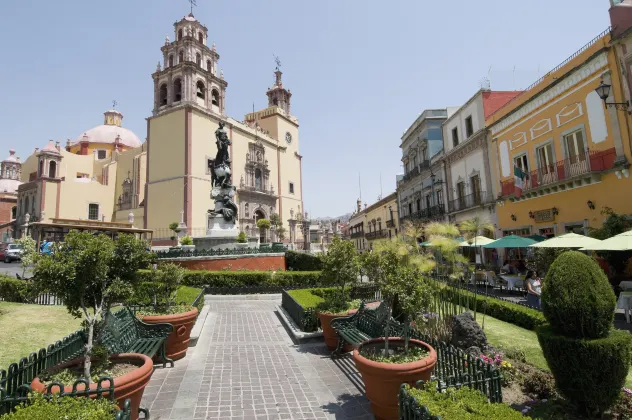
(571, 151)
(377, 221)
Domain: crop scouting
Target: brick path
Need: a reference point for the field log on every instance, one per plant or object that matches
(245, 366)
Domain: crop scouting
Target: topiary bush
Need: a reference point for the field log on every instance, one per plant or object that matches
(14, 290)
(577, 299)
(68, 408)
(302, 261)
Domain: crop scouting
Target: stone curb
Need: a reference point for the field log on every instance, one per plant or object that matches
(199, 324)
(273, 296)
(294, 329)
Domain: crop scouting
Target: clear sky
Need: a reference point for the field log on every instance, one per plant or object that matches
(360, 71)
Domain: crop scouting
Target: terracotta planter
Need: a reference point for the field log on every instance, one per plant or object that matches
(331, 337)
(131, 385)
(178, 341)
(383, 380)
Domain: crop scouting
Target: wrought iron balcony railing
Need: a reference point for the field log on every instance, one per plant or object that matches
(470, 200)
(252, 188)
(429, 213)
(376, 234)
(357, 234)
(390, 223)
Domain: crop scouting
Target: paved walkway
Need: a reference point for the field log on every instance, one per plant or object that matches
(245, 366)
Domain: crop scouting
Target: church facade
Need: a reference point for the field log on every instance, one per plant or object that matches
(108, 174)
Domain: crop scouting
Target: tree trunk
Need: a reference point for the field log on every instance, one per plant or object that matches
(87, 364)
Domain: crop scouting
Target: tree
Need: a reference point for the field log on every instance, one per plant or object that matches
(341, 267)
(263, 225)
(474, 227)
(277, 223)
(89, 273)
(29, 252)
(175, 229)
(614, 225)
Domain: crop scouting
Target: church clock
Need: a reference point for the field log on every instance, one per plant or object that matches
(288, 137)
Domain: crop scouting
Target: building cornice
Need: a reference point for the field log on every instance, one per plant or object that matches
(477, 141)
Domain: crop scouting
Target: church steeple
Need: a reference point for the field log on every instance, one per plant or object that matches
(278, 96)
(189, 74)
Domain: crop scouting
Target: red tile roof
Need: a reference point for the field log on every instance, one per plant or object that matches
(493, 101)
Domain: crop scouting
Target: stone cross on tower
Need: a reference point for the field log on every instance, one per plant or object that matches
(114, 104)
(193, 3)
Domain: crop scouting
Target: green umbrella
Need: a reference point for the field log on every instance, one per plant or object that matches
(511, 241)
(537, 238)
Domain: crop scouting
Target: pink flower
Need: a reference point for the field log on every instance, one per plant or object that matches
(627, 391)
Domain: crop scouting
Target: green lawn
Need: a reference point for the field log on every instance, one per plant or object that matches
(500, 333)
(27, 328)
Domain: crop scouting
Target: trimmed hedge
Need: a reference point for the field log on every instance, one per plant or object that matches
(589, 372)
(577, 299)
(14, 290)
(513, 313)
(144, 295)
(69, 408)
(195, 278)
(302, 261)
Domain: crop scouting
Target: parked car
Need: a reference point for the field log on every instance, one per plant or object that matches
(12, 252)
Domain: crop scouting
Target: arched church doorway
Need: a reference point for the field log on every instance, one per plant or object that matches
(262, 232)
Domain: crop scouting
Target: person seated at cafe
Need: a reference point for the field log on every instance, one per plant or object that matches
(534, 288)
(521, 267)
(508, 268)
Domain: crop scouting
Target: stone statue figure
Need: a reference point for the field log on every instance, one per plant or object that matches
(229, 211)
(221, 173)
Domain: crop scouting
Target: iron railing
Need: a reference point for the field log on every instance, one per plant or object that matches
(181, 253)
(42, 299)
(427, 213)
(252, 188)
(470, 200)
(592, 161)
(357, 234)
(376, 234)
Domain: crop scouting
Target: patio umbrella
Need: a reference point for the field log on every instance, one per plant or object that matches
(620, 242)
(429, 243)
(511, 241)
(537, 238)
(479, 241)
(568, 240)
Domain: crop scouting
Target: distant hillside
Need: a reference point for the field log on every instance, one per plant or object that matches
(343, 218)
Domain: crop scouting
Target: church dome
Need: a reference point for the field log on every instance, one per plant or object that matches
(9, 185)
(110, 132)
(10, 174)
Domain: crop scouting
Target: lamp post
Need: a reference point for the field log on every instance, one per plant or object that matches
(603, 90)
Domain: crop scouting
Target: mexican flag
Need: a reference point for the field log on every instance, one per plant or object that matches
(518, 181)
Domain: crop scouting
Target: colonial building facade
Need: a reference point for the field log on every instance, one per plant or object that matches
(376, 221)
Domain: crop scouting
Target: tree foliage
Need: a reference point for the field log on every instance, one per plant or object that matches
(29, 252)
(614, 225)
(263, 224)
(341, 266)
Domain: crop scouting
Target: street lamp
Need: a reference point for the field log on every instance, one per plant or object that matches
(603, 90)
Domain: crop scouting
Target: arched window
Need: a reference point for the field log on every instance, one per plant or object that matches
(170, 60)
(52, 169)
(177, 90)
(201, 37)
(13, 174)
(180, 57)
(163, 95)
(198, 59)
(209, 65)
(40, 171)
(179, 34)
(215, 97)
(200, 89)
(275, 102)
(258, 179)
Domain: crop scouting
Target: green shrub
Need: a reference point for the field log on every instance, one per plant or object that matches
(144, 294)
(539, 383)
(302, 261)
(186, 240)
(589, 372)
(196, 278)
(577, 299)
(461, 404)
(67, 408)
(241, 237)
(306, 297)
(14, 290)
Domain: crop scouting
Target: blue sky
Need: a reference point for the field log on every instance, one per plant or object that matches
(360, 71)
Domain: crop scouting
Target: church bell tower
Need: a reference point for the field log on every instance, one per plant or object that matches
(278, 96)
(189, 72)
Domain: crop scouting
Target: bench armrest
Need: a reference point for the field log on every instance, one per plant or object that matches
(161, 330)
(347, 319)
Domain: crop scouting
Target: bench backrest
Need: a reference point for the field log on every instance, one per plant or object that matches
(119, 331)
(373, 321)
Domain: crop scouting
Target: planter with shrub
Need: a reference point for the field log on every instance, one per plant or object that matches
(167, 281)
(341, 268)
(68, 408)
(89, 273)
(186, 243)
(588, 358)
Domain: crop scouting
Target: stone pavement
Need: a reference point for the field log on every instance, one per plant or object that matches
(245, 366)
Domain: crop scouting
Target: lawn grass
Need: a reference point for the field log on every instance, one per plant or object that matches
(27, 328)
(504, 334)
(306, 298)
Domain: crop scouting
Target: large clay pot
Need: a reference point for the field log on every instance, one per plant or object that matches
(382, 381)
(331, 337)
(131, 385)
(178, 341)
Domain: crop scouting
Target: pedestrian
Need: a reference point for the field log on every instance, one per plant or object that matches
(534, 288)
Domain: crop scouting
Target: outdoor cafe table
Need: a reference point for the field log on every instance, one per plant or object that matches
(626, 285)
(512, 281)
(625, 303)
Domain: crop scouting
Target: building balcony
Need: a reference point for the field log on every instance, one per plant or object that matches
(125, 204)
(470, 200)
(378, 234)
(357, 235)
(390, 223)
(427, 214)
(416, 171)
(257, 189)
(583, 169)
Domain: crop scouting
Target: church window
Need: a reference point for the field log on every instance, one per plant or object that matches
(258, 179)
(200, 89)
(275, 102)
(215, 97)
(170, 60)
(201, 37)
(179, 34)
(198, 59)
(52, 168)
(163, 94)
(209, 65)
(291, 188)
(93, 211)
(181, 57)
(101, 154)
(177, 90)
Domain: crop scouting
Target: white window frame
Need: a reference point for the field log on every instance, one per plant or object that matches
(581, 153)
(549, 163)
(524, 160)
(104, 151)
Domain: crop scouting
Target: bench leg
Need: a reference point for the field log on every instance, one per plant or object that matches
(163, 356)
(145, 411)
(339, 347)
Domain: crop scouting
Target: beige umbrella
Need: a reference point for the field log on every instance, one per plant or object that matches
(620, 242)
(568, 240)
(479, 241)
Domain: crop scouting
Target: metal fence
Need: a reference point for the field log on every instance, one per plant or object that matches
(180, 253)
(43, 299)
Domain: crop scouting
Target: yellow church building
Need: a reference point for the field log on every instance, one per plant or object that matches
(108, 175)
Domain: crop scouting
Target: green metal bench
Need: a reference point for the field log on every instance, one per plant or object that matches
(124, 333)
(364, 325)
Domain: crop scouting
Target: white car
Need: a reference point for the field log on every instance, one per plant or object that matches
(13, 252)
